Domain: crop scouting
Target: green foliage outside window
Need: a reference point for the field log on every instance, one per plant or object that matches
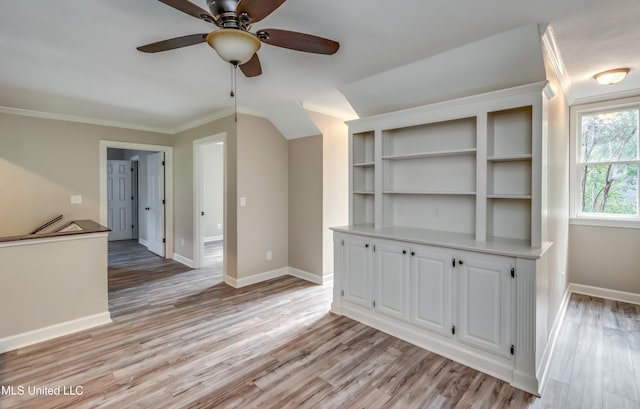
(609, 162)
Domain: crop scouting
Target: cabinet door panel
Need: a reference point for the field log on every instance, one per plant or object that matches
(431, 297)
(357, 277)
(485, 302)
(391, 283)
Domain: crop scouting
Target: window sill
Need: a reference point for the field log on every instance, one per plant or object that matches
(601, 222)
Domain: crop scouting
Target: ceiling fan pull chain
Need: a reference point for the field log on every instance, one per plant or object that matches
(232, 93)
(234, 90)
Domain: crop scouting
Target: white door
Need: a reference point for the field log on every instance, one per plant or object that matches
(119, 200)
(431, 289)
(155, 203)
(391, 279)
(357, 272)
(486, 294)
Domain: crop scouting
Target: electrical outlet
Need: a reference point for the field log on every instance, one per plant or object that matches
(243, 201)
(269, 255)
(76, 199)
(219, 226)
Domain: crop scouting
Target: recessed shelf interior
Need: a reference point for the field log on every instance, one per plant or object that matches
(363, 148)
(437, 174)
(453, 213)
(509, 218)
(363, 209)
(363, 178)
(458, 134)
(509, 178)
(509, 132)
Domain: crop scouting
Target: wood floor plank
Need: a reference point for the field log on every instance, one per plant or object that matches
(586, 386)
(181, 338)
(618, 375)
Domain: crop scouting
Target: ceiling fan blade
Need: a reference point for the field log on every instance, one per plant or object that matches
(187, 7)
(258, 9)
(252, 68)
(173, 43)
(298, 41)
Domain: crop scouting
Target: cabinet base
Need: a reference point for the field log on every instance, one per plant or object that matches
(497, 367)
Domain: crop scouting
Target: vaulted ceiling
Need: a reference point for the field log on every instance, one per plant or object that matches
(78, 58)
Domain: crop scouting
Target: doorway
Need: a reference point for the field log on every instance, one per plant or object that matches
(154, 191)
(209, 194)
(136, 197)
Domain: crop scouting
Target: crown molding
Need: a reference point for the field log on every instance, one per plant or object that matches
(606, 97)
(83, 120)
(127, 125)
(555, 59)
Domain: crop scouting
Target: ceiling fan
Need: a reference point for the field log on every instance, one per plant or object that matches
(232, 40)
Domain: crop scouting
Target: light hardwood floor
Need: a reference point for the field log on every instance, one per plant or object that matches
(183, 339)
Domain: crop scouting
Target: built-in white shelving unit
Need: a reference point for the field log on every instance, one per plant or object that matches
(444, 245)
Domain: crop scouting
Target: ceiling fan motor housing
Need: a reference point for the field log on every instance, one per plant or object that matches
(226, 14)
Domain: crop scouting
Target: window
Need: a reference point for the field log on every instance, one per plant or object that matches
(606, 163)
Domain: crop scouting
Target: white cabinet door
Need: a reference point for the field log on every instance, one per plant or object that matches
(431, 289)
(485, 301)
(391, 271)
(356, 281)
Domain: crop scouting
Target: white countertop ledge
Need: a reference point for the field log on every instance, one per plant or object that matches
(461, 241)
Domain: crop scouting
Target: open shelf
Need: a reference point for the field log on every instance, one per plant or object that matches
(453, 213)
(446, 136)
(510, 158)
(413, 192)
(509, 218)
(421, 155)
(513, 197)
(509, 132)
(435, 174)
(363, 208)
(363, 147)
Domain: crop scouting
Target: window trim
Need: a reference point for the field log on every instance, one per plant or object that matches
(576, 216)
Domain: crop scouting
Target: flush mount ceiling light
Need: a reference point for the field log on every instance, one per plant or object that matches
(611, 77)
(233, 45)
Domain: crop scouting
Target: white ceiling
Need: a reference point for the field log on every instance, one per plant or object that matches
(78, 57)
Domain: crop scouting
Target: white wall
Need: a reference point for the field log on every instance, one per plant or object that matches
(213, 180)
(605, 257)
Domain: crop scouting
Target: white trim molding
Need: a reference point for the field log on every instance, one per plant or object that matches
(279, 272)
(53, 331)
(605, 293)
(555, 59)
(183, 260)
(168, 185)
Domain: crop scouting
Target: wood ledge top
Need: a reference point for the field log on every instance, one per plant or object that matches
(88, 227)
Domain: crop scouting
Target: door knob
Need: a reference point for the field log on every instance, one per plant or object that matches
(202, 213)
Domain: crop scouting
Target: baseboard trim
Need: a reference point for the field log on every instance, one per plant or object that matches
(260, 277)
(606, 293)
(279, 272)
(305, 275)
(211, 239)
(53, 331)
(144, 242)
(183, 260)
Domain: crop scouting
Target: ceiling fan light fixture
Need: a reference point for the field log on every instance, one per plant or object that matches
(233, 45)
(611, 77)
